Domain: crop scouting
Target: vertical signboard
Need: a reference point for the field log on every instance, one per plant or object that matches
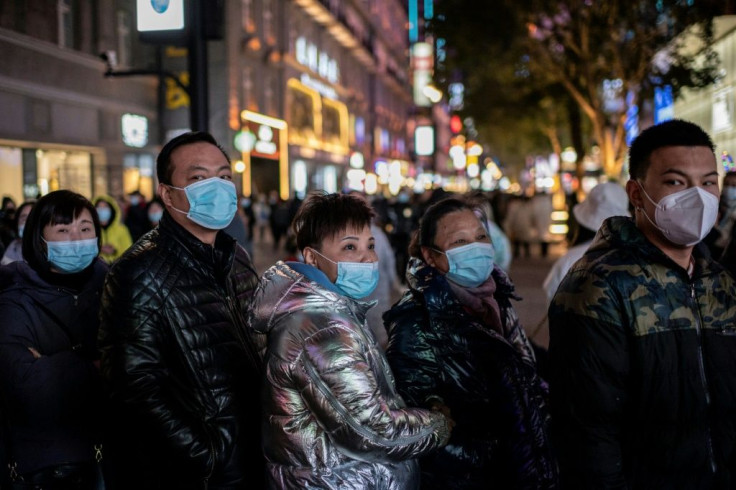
(422, 64)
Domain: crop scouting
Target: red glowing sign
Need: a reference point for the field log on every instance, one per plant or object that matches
(456, 124)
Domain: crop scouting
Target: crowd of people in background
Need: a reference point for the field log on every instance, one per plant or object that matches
(141, 349)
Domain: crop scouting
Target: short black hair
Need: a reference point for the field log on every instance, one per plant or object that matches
(425, 235)
(163, 161)
(675, 132)
(58, 207)
(7, 200)
(323, 215)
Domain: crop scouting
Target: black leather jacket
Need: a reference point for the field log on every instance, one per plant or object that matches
(180, 371)
(439, 352)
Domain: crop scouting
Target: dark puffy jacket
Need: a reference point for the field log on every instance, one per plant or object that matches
(182, 382)
(440, 352)
(644, 368)
(52, 405)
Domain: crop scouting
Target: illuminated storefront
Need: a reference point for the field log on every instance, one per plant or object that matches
(318, 137)
(262, 141)
(30, 170)
(138, 168)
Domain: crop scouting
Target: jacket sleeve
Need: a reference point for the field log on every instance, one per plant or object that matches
(412, 359)
(133, 348)
(589, 364)
(341, 390)
(63, 380)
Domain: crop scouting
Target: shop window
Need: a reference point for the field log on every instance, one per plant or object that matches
(124, 42)
(249, 96)
(60, 169)
(334, 126)
(269, 96)
(299, 177)
(329, 182)
(65, 14)
(248, 21)
(138, 174)
(269, 24)
(11, 168)
(303, 104)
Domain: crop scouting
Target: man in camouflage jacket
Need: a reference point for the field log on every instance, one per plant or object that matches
(643, 340)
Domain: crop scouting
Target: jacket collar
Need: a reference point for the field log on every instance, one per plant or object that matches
(620, 232)
(425, 279)
(221, 256)
(20, 275)
(319, 281)
(315, 275)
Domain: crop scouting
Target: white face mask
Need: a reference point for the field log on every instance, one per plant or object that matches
(685, 217)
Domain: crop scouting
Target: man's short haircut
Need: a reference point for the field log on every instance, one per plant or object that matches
(58, 207)
(675, 132)
(163, 161)
(323, 215)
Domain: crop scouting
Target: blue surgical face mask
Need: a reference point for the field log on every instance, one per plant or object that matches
(212, 202)
(70, 257)
(20, 230)
(355, 279)
(155, 216)
(104, 214)
(470, 265)
(729, 193)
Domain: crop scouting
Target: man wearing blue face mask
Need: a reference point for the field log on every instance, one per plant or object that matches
(332, 417)
(642, 336)
(180, 367)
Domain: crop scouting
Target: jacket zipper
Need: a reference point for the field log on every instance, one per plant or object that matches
(704, 379)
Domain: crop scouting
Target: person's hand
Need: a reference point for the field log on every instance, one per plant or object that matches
(445, 432)
(444, 410)
(36, 354)
(438, 406)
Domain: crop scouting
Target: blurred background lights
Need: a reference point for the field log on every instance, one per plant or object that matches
(371, 183)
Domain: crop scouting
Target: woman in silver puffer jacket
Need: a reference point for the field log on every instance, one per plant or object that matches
(332, 417)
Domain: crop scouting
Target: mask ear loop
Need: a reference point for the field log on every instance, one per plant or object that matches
(326, 258)
(643, 211)
(180, 189)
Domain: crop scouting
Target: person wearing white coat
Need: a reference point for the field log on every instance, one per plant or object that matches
(604, 200)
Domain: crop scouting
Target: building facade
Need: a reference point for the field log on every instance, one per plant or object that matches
(323, 88)
(303, 94)
(713, 107)
(64, 124)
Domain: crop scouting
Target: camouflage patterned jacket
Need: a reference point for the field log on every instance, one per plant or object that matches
(643, 359)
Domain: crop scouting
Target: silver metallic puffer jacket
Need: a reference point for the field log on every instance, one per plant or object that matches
(331, 415)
